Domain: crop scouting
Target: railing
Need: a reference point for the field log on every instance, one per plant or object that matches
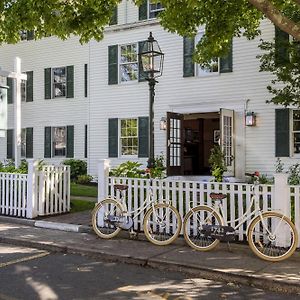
(13, 194)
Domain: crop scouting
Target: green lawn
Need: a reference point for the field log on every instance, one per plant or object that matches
(83, 190)
(81, 205)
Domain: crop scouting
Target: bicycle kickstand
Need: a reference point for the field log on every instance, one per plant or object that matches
(133, 234)
(229, 247)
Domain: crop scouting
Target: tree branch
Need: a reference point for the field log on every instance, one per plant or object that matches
(280, 20)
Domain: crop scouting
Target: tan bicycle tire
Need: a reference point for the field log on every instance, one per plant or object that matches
(265, 257)
(185, 228)
(94, 218)
(174, 236)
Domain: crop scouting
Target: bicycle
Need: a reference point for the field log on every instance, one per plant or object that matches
(162, 222)
(271, 235)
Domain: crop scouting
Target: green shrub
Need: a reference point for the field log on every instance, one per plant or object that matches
(159, 170)
(130, 169)
(78, 167)
(294, 174)
(217, 163)
(9, 167)
(84, 179)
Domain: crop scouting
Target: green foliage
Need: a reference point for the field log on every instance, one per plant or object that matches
(279, 166)
(159, 169)
(262, 179)
(78, 167)
(217, 163)
(9, 167)
(128, 169)
(84, 179)
(294, 174)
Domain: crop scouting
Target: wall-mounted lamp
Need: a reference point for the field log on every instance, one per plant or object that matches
(163, 123)
(250, 118)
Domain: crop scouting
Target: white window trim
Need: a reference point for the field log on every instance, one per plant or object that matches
(52, 83)
(120, 155)
(119, 63)
(148, 11)
(292, 154)
(52, 140)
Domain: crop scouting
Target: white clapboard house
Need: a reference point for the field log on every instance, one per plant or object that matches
(92, 102)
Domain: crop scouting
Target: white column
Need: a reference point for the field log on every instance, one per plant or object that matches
(103, 173)
(32, 178)
(17, 111)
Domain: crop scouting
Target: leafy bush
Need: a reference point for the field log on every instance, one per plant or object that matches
(279, 166)
(130, 169)
(84, 179)
(294, 174)
(217, 163)
(78, 167)
(9, 167)
(159, 169)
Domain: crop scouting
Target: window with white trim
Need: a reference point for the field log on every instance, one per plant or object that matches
(23, 142)
(155, 7)
(129, 136)
(23, 90)
(213, 67)
(59, 82)
(59, 141)
(296, 131)
(128, 62)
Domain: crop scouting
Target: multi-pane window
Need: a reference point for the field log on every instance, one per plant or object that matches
(59, 141)
(296, 131)
(23, 142)
(129, 136)
(23, 90)
(155, 7)
(59, 82)
(212, 67)
(128, 62)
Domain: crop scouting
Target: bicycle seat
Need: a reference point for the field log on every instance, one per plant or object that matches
(121, 187)
(217, 196)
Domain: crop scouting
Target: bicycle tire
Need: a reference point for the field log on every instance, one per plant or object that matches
(272, 252)
(107, 231)
(162, 232)
(192, 232)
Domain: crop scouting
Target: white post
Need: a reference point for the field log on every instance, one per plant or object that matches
(103, 173)
(31, 210)
(17, 110)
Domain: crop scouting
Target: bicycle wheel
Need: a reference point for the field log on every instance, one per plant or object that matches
(104, 210)
(192, 227)
(162, 224)
(272, 236)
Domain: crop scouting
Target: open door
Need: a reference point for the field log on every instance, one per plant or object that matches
(227, 138)
(174, 144)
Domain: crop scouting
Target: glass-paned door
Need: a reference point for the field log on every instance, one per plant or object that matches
(174, 144)
(227, 138)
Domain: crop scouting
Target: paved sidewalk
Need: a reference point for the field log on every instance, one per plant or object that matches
(240, 265)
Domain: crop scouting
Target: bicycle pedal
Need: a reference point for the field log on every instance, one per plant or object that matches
(133, 235)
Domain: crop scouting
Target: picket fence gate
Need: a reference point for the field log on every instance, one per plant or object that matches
(38, 193)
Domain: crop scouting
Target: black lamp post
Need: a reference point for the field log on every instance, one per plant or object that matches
(151, 58)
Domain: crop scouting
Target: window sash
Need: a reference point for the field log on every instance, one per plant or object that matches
(295, 131)
(129, 137)
(128, 62)
(23, 142)
(59, 141)
(59, 82)
(154, 9)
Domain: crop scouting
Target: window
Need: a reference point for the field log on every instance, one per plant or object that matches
(23, 142)
(212, 68)
(59, 141)
(154, 8)
(128, 62)
(23, 90)
(296, 131)
(59, 82)
(129, 136)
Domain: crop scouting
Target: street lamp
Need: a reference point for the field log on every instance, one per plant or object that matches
(151, 59)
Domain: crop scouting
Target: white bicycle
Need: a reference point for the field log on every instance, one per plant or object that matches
(271, 235)
(161, 223)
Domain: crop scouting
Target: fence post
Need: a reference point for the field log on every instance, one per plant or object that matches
(282, 200)
(103, 173)
(31, 209)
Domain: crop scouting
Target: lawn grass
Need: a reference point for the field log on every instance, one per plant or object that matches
(81, 205)
(83, 190)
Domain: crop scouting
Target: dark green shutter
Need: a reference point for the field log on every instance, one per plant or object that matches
(143, 136)
(29, 142)
(47, 78)
(142, 74)
(10, 91)
(143, 11)
(282, 132)
(188, 50)
(10, 144)
(113, 64)
(30, 35)
(226, 62)
(85, 141)
(114, 17)
(70, 141)
(281, 45)
(47, 142)
(29, 87)
(113, 137)
(70, 81)
(85, 80)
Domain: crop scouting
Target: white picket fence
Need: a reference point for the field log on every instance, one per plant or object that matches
(38, 193)
(13, 194)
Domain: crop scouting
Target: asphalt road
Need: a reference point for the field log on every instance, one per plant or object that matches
(31, 274)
